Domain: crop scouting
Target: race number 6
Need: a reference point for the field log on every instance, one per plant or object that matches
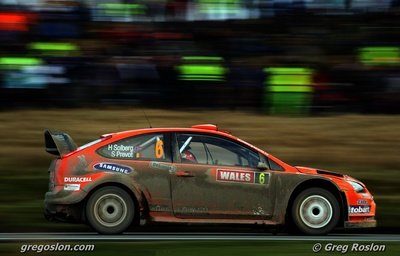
(159, 148)
(261, 178)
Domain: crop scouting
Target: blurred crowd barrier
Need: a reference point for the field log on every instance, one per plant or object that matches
(280, 57)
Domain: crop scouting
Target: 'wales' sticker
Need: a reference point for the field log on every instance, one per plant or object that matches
(242, 176)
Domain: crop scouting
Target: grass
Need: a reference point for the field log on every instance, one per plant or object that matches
(366, 147)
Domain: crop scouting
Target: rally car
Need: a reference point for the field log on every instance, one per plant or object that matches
(194, 175)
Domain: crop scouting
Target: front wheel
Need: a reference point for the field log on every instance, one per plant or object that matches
(315, 211)
(110, 210)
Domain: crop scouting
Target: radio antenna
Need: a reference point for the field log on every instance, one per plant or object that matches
(148, 121)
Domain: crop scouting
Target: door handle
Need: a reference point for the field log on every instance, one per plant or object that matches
(184, 174)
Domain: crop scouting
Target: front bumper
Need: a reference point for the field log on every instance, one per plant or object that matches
(360, 224)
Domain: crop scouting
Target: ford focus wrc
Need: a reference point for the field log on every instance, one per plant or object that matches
(194, 175)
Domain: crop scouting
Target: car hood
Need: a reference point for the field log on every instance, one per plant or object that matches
(328, 174)
(309, 170)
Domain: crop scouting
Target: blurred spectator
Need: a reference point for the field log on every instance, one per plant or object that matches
(203, 53)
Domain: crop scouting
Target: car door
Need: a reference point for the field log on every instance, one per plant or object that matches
(146, 160)
(215, 177)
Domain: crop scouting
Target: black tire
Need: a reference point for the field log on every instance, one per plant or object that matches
(110, 210)
(315, 211)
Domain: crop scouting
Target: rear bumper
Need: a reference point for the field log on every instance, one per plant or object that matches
(66, 206)
(63, 213)
(61, 196)
(360, 224)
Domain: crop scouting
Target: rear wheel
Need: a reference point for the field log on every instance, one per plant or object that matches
(315, 211)
(110, 210)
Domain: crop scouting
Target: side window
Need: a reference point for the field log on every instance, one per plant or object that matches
(223, 155)
(274, 166)
(191, 149)
(211, 150)
(142, 147)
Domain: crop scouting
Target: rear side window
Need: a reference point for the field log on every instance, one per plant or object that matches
(142, 147)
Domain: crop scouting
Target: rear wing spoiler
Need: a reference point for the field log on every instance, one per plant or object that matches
(58, 143)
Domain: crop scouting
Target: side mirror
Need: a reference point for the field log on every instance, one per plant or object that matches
(262, 166)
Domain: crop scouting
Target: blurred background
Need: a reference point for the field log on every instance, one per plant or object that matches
(275, 56)
(314, 82)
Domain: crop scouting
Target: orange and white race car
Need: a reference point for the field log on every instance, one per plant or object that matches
(194, 175)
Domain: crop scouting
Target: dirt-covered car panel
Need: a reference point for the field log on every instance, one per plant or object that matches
(199, 175)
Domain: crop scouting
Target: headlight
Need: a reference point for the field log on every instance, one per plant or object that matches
(357, 186)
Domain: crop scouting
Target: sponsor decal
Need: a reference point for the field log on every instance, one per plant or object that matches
(235, 176)
(159, 208)
(162, 166)
(122, 151)
(192, 210)
(359, 209)
(242, 176)
(362, 201)
(72, 187)
(77, 179)
(113, 167)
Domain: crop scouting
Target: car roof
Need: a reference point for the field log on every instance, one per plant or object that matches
(200, 128)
